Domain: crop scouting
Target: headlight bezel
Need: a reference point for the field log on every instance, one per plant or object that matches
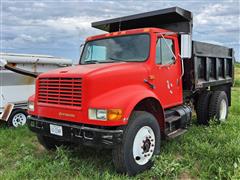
(95, 114)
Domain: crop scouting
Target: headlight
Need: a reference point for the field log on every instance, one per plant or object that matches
(30, 106)
(104, 114)
(97, 114)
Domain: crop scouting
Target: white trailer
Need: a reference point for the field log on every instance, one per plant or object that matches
(16, 88)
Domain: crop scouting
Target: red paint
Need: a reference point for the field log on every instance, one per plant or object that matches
(116, 85)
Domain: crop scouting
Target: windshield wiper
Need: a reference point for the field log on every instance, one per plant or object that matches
(116, 59)
(91, 62)
(110, 60)
(124, 60)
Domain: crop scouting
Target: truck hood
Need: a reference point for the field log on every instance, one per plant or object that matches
(92, 69)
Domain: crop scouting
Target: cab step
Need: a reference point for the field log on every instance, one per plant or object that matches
(176, 120)
(172, 119)
(172, 122)
(176, 133)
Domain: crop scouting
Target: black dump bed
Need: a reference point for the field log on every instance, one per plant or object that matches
(210, 65)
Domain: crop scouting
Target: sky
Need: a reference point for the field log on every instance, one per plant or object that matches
(58, 28)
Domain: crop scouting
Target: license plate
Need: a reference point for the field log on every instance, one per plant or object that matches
(56, 130)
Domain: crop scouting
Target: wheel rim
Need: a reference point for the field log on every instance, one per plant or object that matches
(223, 110)
(19, 119)
(143, 145)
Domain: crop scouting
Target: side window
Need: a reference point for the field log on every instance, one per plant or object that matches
(164, 51)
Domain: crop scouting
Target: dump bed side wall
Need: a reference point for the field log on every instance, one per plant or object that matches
(210, 65)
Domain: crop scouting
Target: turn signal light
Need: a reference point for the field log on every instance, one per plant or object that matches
(114, 114)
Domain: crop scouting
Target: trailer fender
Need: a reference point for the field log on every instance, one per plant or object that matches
(125, 98)
(8, 108)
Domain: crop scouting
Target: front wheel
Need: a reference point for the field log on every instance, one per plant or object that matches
(141, 141)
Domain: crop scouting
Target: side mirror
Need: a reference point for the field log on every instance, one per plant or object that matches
(3, 62)
(186, 46)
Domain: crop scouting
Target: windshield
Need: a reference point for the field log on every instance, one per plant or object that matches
(132, 48)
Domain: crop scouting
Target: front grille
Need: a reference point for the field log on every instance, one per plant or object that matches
(61, 91)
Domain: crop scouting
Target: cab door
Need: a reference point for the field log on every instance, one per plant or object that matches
(168, 71)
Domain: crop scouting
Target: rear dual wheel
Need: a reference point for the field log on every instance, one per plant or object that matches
(212, 105)
(218, 106)
(202, 108)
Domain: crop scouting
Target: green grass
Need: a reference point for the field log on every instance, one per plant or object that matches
(237, 75)
(237, 64)
(202, 153)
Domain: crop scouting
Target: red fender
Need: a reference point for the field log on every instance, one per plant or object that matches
(114, 100)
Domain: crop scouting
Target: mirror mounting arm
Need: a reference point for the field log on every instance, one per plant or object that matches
(182, 65)
(168, 46)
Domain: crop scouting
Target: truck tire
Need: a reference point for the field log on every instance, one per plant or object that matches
(141, 140)
(17, 118)
(50, 143)
(202, 108)
(218, 106)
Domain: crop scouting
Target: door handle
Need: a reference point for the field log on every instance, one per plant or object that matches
(150, 84)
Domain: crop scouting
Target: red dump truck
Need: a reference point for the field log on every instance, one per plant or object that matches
(134, 86)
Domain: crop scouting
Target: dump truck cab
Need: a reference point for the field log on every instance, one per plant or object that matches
(134, 67)
(133, 87)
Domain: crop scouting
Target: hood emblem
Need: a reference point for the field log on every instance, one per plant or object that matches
(66, 114)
